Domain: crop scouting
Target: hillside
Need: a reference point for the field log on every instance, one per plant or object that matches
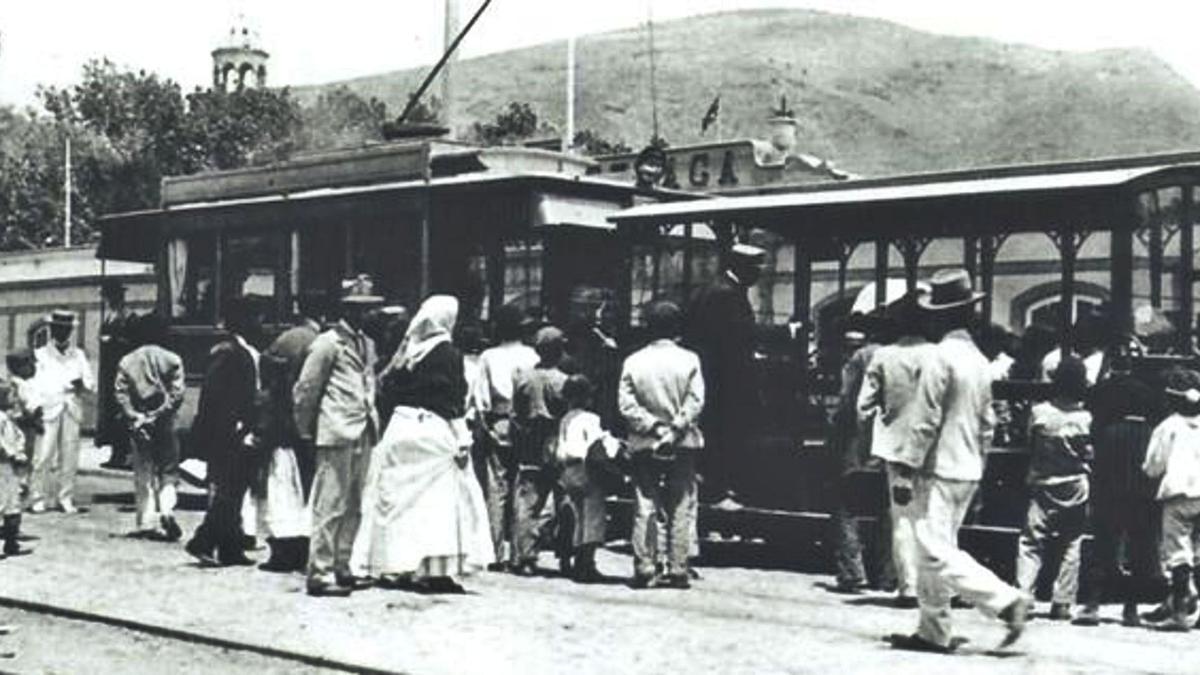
(875, 97)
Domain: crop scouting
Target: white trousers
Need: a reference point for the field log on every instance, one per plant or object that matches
(154, 489)
(946, 570)
(55, 462)
(904, 537)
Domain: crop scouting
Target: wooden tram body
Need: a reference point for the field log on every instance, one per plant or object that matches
(1150, 199)
(494, 226)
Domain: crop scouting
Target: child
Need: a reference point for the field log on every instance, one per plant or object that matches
(537, 408)
(1060, 438)
(583, 451)
(1174, 456)
(26, 406)
(13, 458)
(661, 394)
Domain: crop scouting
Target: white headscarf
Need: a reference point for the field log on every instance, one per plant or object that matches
(432, 326)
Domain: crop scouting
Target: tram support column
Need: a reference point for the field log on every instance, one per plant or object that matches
(802, 312)
(971, 256)
(988, 248)
(1187, 253)
(1156, 252)
(1121, 281)
(1067, 246)
(881, 271)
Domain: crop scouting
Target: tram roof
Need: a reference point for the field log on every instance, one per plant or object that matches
(133, 235)
(1028, 197)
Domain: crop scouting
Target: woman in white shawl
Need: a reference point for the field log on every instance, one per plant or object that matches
(424, 522)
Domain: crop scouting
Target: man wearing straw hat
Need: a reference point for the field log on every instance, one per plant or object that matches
(65, 376)
(952, 422)
(334, 407)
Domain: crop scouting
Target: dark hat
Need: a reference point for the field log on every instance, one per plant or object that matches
(360, 290)
(110, 286)
(62, 317)
(511, 322)
(1184, 386)
(948, 289)
(748, 252)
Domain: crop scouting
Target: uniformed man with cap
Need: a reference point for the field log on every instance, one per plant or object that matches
(721, 329)
(64, 377)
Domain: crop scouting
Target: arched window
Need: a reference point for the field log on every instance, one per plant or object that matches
(1042, 304)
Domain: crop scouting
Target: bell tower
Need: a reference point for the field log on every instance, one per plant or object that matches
(240, 62)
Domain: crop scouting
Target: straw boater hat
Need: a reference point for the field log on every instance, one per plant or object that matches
(360, 291)
(949, 289)
(61, 317)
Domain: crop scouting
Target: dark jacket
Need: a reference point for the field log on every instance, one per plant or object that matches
(721, 329)
(227, 408)
(436, 383)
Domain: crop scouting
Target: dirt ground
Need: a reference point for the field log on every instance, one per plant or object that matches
(737, 619)
(46, 644)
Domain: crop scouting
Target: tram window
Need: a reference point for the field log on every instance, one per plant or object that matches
(389, 251)
(250, 268)
(191, 271)
(523, 274)
(322, 260)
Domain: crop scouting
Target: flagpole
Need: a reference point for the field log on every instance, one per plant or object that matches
(568, 142)
(67, 192)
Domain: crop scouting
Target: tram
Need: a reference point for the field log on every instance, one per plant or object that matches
(1135, 216)
(532, 227)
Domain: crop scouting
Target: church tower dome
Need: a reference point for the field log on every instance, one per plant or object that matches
(240, 62)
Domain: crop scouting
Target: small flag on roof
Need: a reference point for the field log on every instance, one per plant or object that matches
(710, 117)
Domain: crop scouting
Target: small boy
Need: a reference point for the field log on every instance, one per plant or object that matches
(13, 459)
(1174, 456)
(661, 394)
(1060, 438)
(26, 407)
(584, 448)
(537, 408)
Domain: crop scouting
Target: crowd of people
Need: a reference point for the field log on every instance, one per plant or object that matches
(371, 447)
(1110, 446)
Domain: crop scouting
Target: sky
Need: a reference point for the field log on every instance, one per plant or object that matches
(47, 41)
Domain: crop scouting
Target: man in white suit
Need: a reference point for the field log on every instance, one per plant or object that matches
(952, 423)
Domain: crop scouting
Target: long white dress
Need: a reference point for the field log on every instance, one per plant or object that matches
(422, 514)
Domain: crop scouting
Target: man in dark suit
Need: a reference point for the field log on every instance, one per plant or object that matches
(116, 340)
(721, 329)
(222, 434)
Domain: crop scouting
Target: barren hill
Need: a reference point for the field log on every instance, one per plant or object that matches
(873, 96)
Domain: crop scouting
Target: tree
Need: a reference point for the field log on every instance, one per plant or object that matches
(592, 144)
(516, 123)
(340, 117)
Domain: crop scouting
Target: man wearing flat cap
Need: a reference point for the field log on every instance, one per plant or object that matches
(951, 428)
(65, 376)
(721, 329)
(335, 412)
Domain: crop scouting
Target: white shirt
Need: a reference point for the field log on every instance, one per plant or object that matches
(56, 370)
(1174, 455)
(497, 369)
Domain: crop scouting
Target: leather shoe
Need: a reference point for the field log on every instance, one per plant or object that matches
(197, 551)
(906, 602)
(916, 643)
(677, 581)
(354, 583)
(171, 528)
(643, 581)
(1089, 615)
(320, 589)
(1015, 616)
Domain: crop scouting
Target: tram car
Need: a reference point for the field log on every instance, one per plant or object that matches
(536, 228)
